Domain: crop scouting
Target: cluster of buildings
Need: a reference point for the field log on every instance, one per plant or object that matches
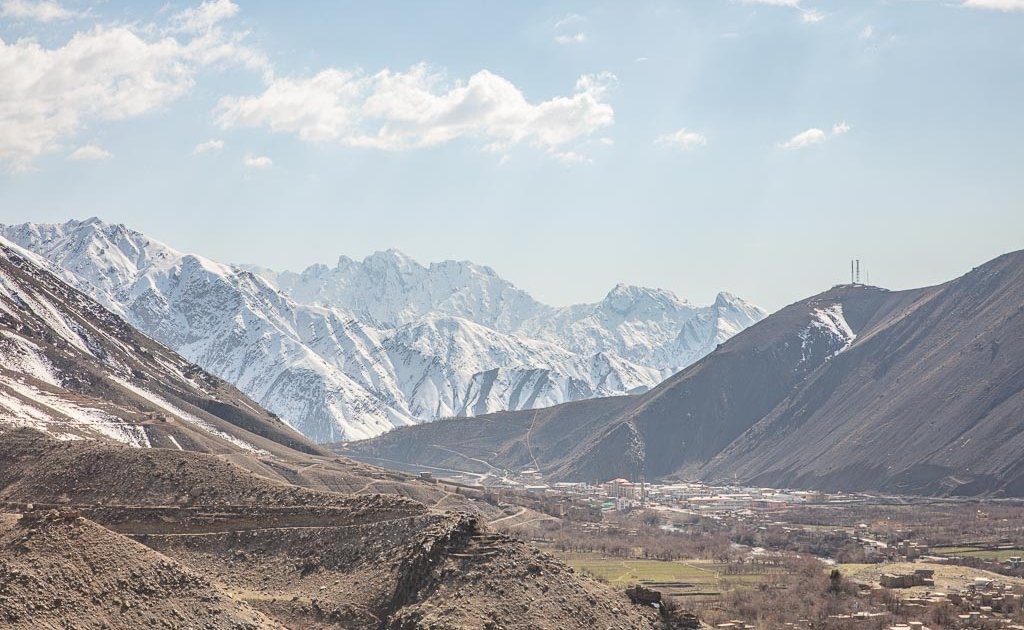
(585, 502)
(919, 577)
(623, 494)
(981, 604)
(987, 599)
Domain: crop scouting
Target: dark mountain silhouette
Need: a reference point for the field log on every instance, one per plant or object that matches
(858, 388)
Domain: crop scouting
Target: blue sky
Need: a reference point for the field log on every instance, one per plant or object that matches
(749, 146)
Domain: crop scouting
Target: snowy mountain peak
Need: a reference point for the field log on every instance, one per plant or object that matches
(392, 259)
(633, 300)
(352, 351)
(724, 298)
(464, 268)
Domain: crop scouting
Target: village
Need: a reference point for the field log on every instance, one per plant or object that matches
(906, 564)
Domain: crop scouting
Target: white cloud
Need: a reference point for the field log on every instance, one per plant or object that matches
(213, 144)
(569, 20)
(206, 16)
(995, 5)
(420, 108)
(39, 10)
(811, 16)
(108, 72)
(606, 141)
(805, 139)
(257, 161)
(575, 38)
(683, 139)
(567, 30)
(814, 136)
(807, 16)
(90, 152)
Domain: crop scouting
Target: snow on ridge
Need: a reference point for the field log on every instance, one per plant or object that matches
(28, 406)
(355, 350)
(23, 356)
(830, 322)
(187, 417)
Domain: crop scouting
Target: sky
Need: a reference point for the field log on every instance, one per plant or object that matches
(753, 146)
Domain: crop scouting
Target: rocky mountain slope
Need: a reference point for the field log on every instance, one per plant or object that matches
(72, 369)
(354, 351)
(918, 391)
(138, 490)
(59, 568)
(181, 522)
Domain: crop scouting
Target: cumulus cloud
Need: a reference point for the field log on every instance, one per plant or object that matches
(90, 152)
(39, 10)
(683, 139)
(114, 71)
(206, 16)
(995, 5)
(108, 72)
(213, 144)
(257, 161)
(420, 108)
(814, 136)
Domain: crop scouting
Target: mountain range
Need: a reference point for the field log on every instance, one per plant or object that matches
(353, 351)
(138, 490)
(858, 388)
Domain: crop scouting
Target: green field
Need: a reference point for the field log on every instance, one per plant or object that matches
(628, 571)
(946, 551)
(988, 554)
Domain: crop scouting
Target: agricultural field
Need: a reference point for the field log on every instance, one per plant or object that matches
(976, 552)
(694, 578)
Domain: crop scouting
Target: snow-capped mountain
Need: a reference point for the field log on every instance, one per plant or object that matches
(74, 370)
(649, 327)
(392, 289)
(227, 321)
(353, 351)
(450, 366)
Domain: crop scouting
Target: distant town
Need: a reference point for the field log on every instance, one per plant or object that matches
(912, 561)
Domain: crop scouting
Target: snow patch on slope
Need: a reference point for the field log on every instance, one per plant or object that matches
(829, 323)
(187, 417)
(24, 405)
